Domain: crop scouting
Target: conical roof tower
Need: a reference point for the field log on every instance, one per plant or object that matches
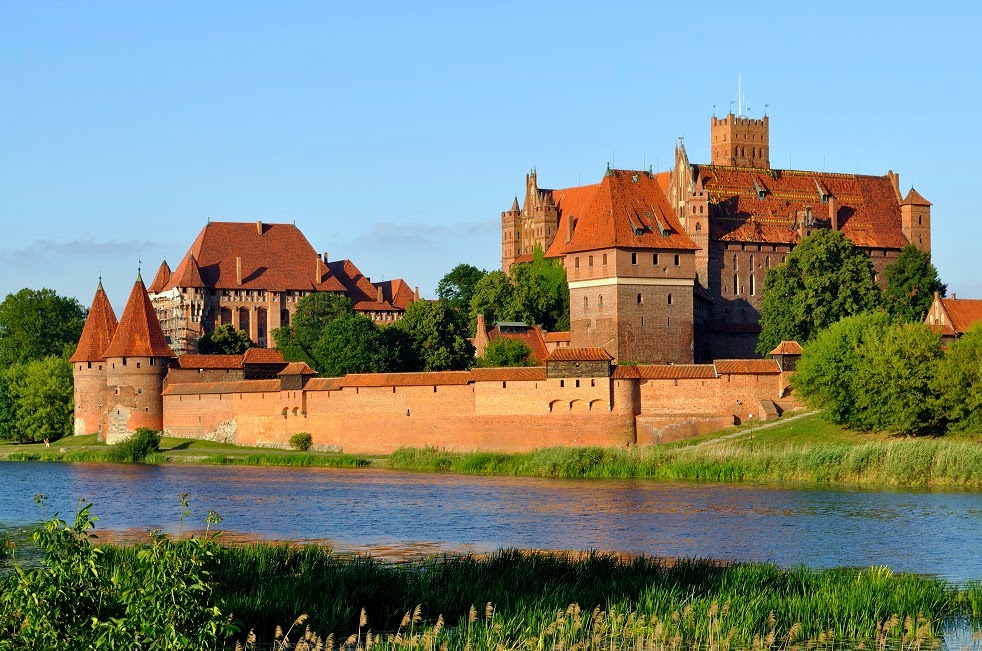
(100, 326)
(139, 333)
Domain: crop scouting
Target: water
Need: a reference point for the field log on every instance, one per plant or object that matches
(393, 514)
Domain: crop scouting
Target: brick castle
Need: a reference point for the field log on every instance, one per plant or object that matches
(664, 270)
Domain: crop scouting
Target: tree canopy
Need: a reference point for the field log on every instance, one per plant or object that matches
(351, 344)
(42, 398)
(225, 340)
(535, 292)
(456, 288)
(824, 279)
(911, 283)
(505, 352)
(35, 324)
(959, 382)
(434, 335)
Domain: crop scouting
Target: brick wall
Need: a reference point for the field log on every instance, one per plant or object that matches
(133, 396)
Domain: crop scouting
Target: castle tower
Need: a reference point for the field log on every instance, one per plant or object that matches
(511, 235)
(136, 363)
(89, 365)
(740, 142)
(915, 220)
(690, 199)
(540, 219)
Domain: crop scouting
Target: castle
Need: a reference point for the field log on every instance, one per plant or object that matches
(668, 267)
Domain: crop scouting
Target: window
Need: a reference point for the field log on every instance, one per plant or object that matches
(654, 258)
(669, 299)
(589, 261)
(586, 302)
(634, 258)
(767, 262)
(751, 262)
(678, 259)
(919, 220)
(753, 286)
(577, 384)
(698, 226)
(640, 299)
(576, 263)
(593, 383)
(734, 261)
(562, 383)
(600, 301)
(642, 322)
(669, 322)
(605, 259)
(736, 284)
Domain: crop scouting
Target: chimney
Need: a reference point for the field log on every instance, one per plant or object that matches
(320, 271)
(416, 294)
(238, 270)
(481, 327)
(954, 296)
(569, 229)
(259, 227)
(833, 213)
(325, 257)
(379, 295)
(895, 182)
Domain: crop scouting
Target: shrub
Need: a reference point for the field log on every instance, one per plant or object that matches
(138, 448)
(301, 441)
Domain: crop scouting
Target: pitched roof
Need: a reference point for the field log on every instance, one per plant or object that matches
(665, 372)
(138, 333)
(787, 348)
(512, 374)
(297, 368)
(241, 386)
(914, 198)
(100, 326)
(531, 336)
(323, 384)
(867, 207)
(357, 286)
(963, 313)
(275, 257)
(556, 337)
(404, 379)
(209, 361)
(263, 356)
(579, 355)
(746, 366)
(626, 209)
(397, 293)
(160, 280)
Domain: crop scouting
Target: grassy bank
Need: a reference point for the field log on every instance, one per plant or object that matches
(805, 450)
(525, 600)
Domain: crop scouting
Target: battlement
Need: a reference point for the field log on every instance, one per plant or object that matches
(740, 142)
(732, 120)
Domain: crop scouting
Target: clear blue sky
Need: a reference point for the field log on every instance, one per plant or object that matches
(395, 134)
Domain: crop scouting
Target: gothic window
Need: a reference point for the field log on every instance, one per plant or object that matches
(751, 262)
(753, 286)
(734, 261)
(918, 220)
(767, 262)
(586, 302)
(698, 226)
(640, 299)
(634, 258)
(736, 284)
(600, 302)
(576, 263)
(589, 262)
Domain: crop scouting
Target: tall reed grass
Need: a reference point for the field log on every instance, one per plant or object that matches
(917, 462)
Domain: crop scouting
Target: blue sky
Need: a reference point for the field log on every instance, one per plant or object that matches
(395, 134)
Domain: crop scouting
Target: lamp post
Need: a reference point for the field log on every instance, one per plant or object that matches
(750, 417)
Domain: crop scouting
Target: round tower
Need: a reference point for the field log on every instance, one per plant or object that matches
(89, 365)
(136, 364)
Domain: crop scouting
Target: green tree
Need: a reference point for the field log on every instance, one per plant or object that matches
(911, 283)
(313, 314)
(37, 323)
(959, 382)
(541, 295)
(824, 279)
(435, 338)
(225, 340)
(42, 396)
(505, 352)
(399, 346)
(494, 298)
(351, 344)
(8, 410)
(457, 287)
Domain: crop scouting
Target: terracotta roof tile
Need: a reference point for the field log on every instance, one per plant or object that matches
(263, 356)
(557, 337)
(323, 384)
(532, 337)
(97, 334)
(914, 198)
(626, 209)
(579, 355)
(361, 291)
(511, 374)
(964, 313)
(676, 371)
(297, 368)
(397, 293)
(787, 348)
(242, 386)
(138, 333)
(405, 379)
(161, 279)
(188, 274)
(746, 366)
(209, 361)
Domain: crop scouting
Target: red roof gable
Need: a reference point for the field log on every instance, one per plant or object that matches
(397, 293)
(914, 198)
(161, 279)
(579, 355)
(787, 348)
(867, 207)
(532, 337)
(964, 313)
(627, 209)
(138, 333)
(263, 356)
(361, 291)
(100, 326)
(297, 368)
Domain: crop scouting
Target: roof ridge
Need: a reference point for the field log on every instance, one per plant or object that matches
(139, 333)
(98, 331)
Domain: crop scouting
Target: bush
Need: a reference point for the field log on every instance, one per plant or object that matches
(301, 441)
(138, 448)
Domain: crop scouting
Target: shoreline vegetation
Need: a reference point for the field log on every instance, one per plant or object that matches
(805, 449)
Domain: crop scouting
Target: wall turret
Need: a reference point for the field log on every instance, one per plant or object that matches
(915, 220)
(136, 363)
(89, 365)
(511, 235)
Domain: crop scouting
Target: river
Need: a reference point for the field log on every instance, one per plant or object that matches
(395, 514)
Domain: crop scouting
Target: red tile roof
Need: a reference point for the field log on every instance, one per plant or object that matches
(746, 366)
(914, 198)
(579, 355)
(532, 337)
(361, 291)
(404, 379)
(397, 293)
(160, 280)
(100, 326)
(867, 206)
(511, 374)
(964, 313)
(323, 384)
(188, 274)
(241, 386)
(626, 209)
(297, 368)
(787, 348)
(263, 356)
(665, 372)
(278, 259)
(209, 361)
(138, 333)
(556, 337)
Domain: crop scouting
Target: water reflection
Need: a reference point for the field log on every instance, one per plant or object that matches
(394, 514)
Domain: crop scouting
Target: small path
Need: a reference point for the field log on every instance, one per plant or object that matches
(766, 425)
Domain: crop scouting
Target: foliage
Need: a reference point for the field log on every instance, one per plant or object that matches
(824, 279)
(225, 340)
(505, 352)
(493, 297)
(351, 344)
(535, 292)
(301, 441)
(959, 382)
(8, 410)
(35, 324)
(42, 397)
(137, 447)
(399, 346)
(911, 283)
(457, 287)
(434, 337)
(313, 314)
(158, 595)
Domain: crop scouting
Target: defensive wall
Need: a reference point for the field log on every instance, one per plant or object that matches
(503, 410)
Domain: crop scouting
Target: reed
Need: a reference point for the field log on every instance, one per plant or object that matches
(907, 463)
(298, 460)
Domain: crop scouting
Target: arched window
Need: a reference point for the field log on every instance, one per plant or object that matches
(736, 284)
(669, 299)
(640, 299)
(600, 302)
(586, 302)
(589, 261)
(918, 220)
(767, 262)
(576, 263)
(605, 259)
(698, 226)
(734, 261)
(753, 286)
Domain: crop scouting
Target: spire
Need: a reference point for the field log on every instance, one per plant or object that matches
(139, 333)
(100, 326)
(914, 198)
(514, 205)
(160, 280)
